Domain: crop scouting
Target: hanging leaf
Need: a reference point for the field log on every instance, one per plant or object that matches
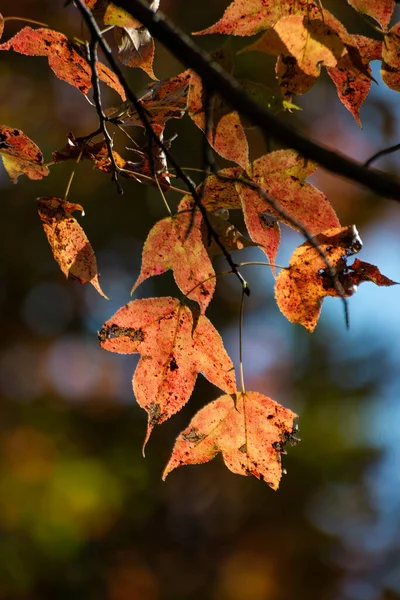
(136, 49)
(250, 430)
(390, 70)
(361, 271)
(175, 345)
(281, 174)
(230, 237)
(64, 56)
(20, 155)
(1, 25)
(352, 83)
(176, 243)
(68, 241)
(228, 137)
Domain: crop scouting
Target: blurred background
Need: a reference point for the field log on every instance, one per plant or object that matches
(82, 514)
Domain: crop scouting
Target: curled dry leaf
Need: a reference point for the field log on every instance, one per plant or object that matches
(176, 243)
(361, 271)
(68, 241)
(65, 58)
(175, 345)
(380, 10)
(136, 49)
(250, 430)
(20, 155)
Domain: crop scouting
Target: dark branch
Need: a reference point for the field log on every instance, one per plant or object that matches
(92, 58)
(189, 54)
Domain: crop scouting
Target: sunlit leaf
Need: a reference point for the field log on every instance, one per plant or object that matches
(175, 345)
(250, 430)
(380, 10)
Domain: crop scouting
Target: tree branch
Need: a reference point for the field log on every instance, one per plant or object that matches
(189, 54)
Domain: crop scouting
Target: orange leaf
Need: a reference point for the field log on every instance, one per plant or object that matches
(380, 10)
(281, 175)
(68, 241)
(64, 58)
(300, 289)
(20, 155)
(311, 43)
(250, 430)
(219, 193)
(1, 24)
(361, 271)
(176, 243)
(228, 136)
(230, 237)
(175, 345)
(390, 70)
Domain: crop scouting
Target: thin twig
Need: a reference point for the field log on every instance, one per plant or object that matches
(71, 177)
(381, 153)
(188, 53)
(241, 341)
(92, 59)
(96, 33)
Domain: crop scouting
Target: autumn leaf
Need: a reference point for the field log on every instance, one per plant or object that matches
(1, 25)
(175, 345)
(176, 243)
(390, 70)
(65, 58)
(281, 175)
(83, 148)
(361, 271)
(219, 192)
(20, 155)
(68, 241)
(310, 43)
(228, 137)
(352, 82)
(136, 49)
(250, 430)
(380, 10)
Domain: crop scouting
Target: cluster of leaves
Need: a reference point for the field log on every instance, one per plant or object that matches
(174, 338)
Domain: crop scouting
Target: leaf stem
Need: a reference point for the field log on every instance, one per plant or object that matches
(72, 176)
(25, 20)
(259, 263)
(241, 339)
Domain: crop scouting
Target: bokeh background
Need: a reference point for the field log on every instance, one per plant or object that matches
(82, 514)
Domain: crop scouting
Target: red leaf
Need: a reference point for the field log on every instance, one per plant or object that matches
(175, 345)
(300, 289)
(250, 430)
(352, 83)
(64, 58)
(380, 10)
(68, 241)
(176, 243)
(20, 155)
(281, 175)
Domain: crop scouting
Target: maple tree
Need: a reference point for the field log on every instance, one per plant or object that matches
(174, 337)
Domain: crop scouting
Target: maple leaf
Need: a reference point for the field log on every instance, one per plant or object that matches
(381, 10)
(228, 137)
(281, 175)
(68, 241)
(300, 289)
(304, 46)
(390, 70)
(64, 56)
(218, 192)
(20, 155)
(250, 430)
(352, 82)
(175, 345)
(176, 243)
